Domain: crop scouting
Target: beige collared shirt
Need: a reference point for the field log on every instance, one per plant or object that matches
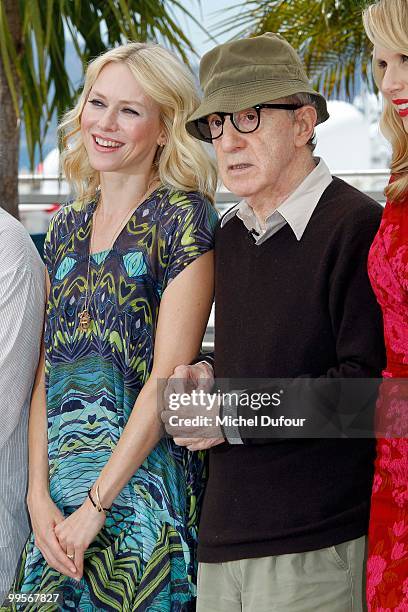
(296, 210)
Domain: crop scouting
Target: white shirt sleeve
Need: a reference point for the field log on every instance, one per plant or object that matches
(22, 299)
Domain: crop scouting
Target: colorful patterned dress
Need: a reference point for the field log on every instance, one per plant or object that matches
(144, 557)
(387, 567)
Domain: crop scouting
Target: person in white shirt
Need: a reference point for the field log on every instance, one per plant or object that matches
(22, 299)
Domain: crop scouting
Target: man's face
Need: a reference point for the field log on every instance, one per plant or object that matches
(257, 164)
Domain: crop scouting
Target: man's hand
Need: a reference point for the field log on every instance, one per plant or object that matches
(187, 378)
(199, 444)
(192, 421)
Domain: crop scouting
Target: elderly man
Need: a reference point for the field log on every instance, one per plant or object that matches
(21, 320)
(284, 521)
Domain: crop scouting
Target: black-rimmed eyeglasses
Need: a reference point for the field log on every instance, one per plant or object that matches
(245, 121)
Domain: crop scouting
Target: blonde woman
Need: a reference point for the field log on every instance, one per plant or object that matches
(387, 570)
(114, 505)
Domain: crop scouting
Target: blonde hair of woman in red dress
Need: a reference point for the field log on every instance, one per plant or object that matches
(387, 568)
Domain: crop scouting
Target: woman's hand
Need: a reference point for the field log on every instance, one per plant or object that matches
(45, 517)
(78, 531)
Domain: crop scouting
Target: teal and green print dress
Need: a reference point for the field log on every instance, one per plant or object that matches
(144, 557)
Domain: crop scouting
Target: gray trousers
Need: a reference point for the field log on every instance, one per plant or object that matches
(326, 580)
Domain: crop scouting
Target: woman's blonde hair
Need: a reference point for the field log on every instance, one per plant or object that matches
(182, 163)
(386, 23)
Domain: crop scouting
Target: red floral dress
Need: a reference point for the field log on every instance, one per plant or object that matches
(387, 567)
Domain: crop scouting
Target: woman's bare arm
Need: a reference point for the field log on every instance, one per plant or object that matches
(37, 434)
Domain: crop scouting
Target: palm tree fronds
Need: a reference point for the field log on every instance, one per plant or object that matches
(43, 85)
(328, 35)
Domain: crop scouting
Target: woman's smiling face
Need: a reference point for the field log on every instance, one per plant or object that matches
(393, 71)
(120, 123)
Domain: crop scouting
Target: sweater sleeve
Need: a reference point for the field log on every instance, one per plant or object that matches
(207, 357)
(357, 327)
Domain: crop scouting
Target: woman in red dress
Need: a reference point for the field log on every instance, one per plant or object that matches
(386, 24)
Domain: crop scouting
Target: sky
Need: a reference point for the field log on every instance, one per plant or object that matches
(212, 13)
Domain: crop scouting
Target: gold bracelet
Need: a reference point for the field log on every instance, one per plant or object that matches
(98, 506)
(98, 501)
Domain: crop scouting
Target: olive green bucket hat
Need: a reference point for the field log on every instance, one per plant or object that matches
(242, 73)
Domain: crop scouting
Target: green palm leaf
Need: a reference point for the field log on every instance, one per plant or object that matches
(32, 68)
(328, 34)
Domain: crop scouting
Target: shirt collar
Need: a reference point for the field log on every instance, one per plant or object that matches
(296, 210)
